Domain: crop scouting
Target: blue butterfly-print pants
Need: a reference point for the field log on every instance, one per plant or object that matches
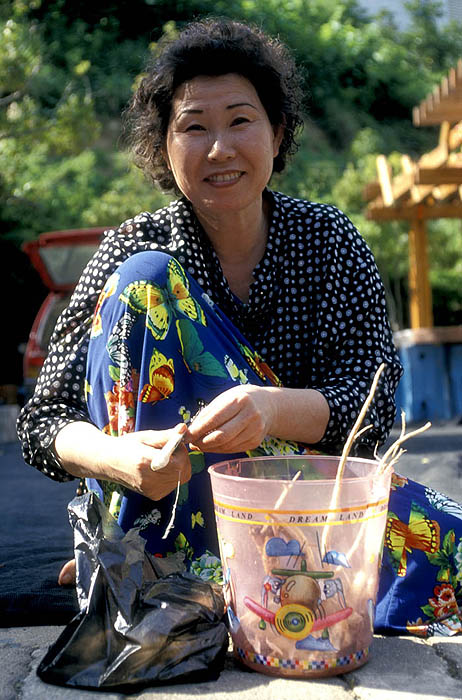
(159, 350)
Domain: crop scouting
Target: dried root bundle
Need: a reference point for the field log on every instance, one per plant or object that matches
(391, 456)
(394, 452)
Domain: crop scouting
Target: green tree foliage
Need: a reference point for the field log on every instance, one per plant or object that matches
(68, 69)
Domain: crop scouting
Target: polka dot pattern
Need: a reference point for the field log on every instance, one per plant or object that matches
(316, 314)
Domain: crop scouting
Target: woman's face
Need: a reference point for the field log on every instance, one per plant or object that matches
(220, 144)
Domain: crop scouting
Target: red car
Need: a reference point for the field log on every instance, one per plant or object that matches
(59, 257)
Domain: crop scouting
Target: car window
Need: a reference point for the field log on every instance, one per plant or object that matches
(49, 322)
(65, 263)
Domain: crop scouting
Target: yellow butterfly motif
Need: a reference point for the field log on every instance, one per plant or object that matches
(161, 379)
(87, 388)
(107, 291)
(160, 304)
(185, 413)
(401, 538)
(234, 372)
(197, 519)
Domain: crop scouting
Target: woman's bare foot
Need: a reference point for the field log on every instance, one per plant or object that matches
(67, 574)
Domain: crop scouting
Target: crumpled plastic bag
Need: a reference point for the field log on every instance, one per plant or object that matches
(142, 620)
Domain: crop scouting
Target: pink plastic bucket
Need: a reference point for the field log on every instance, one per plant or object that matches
(300, 573)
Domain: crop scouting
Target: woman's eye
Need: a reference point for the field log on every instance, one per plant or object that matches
(194, 127)
(240, 120)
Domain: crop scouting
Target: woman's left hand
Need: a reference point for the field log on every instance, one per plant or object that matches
(235, 421)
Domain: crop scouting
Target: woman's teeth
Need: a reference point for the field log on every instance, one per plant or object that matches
(225, 177)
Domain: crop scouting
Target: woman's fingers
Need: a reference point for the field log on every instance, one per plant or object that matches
(157, 484)
(237, 420)
(163, 481)
(134, 455)
(164, 454)
(223, 409)
(241, 430)
(246, 439)
(219, 412)
(158, 438)
(180, 464)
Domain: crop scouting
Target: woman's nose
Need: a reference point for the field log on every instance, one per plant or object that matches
(221, 148)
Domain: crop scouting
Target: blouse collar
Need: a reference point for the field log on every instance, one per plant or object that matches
(188, 235)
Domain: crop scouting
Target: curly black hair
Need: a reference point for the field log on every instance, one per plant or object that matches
(212, 47)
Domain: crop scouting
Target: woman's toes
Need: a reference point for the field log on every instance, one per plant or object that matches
(67, 574)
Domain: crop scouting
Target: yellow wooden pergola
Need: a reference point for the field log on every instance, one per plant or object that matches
(430, 188)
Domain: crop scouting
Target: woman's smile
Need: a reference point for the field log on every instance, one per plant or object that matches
(224, 178)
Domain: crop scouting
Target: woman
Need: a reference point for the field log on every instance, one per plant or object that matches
(191, 306)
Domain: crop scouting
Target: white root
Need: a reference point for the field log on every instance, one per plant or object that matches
(282, 498)
(286, 491)
(353, 434)
(172, 517)
(392, 455)
(363, 430)
(346, 451)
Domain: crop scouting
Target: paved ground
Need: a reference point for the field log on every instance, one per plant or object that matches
(399, 667)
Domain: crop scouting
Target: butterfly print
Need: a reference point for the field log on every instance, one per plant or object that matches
(443, 503)
(151, 518)
(117, 348)
(197, 519)
(161, 379)
(234, 372)
(107, 291)
(195, 357)
(161, 304)
(258, 365)
(400, 538)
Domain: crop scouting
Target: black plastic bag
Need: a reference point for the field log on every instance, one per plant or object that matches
(142, 620)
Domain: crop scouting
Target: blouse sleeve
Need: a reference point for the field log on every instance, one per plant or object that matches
(354, 339)
(59, 396)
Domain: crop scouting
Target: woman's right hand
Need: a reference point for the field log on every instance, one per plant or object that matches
(87, 452)
(133, 456)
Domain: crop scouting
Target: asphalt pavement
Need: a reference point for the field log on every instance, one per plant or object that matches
(398, 667)
(434, 457)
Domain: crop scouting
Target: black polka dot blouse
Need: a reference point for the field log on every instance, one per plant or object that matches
(316, 314)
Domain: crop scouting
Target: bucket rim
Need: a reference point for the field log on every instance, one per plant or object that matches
(212, 469)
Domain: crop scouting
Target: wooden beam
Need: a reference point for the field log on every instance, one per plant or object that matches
(400, 195)
(451, 89)
(396, 189)
(384, 175)
(455, 77)
(439, 176)
(444, 102)
(455, 137)
(371, 190)
(417, 192)
(442, 192)
(376, 211)
(419, 284)
(439, 155)
(436, 116)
